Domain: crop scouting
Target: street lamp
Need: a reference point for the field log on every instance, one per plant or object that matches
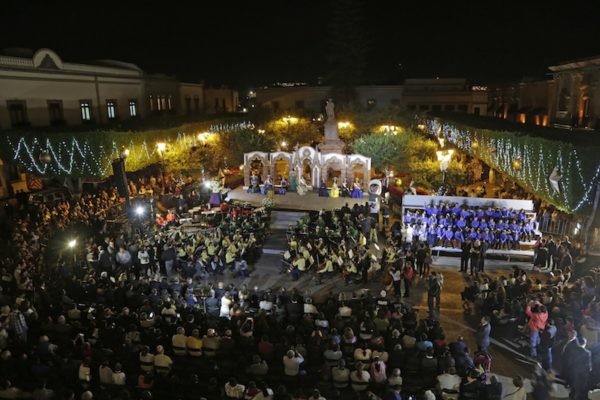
(71, 244)
(283, 145)
(124, 153)
(161, 147)
(444, 157)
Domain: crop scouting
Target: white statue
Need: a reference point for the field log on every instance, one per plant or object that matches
(331, 128)
(329, 110)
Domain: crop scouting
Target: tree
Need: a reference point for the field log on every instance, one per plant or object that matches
(230, 146)
(385, 150)
(299, 131)
(348, 51)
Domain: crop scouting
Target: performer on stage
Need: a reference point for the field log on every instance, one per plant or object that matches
(335, 191)
(345, 190)
(323, 192)
(284, 185)
(254, 187)
(268, 185)
(302, 187)
(357, 192)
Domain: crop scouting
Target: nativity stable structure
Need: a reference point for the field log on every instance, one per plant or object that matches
(326, 163)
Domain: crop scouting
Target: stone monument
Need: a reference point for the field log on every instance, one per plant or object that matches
(332, 142)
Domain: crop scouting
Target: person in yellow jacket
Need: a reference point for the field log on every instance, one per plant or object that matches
(194, 344)
(326, 270)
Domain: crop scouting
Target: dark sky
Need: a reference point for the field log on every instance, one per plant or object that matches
(253, 42)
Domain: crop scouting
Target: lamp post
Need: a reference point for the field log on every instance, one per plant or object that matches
(71, 244)
(444, 157)
(123, 154)
(161, 147)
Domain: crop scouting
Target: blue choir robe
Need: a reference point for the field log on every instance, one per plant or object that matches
(449, 234)
(458, 235)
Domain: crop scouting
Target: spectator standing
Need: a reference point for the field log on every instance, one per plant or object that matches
(483, 334)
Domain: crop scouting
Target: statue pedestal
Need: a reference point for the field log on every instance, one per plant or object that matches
(332, 146)
(332, 143)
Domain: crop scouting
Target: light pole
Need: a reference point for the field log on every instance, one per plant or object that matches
(71, 244)
(123, 157)
(161, 147)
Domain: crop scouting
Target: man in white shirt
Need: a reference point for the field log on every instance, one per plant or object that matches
(345, 311)
(234, 390)
(360, 378)
(449, 384)
(118, 376)
(291, 363)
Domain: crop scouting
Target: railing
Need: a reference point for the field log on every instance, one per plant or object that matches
(560, 227)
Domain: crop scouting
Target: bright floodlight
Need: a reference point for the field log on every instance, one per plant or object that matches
(139, 210)
(72, 243)
(161, 146)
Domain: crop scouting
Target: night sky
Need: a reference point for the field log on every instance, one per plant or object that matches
(250, 43)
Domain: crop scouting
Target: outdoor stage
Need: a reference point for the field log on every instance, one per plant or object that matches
(292, 201)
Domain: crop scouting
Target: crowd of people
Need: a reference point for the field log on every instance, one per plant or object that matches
(147, 313)
(554, 317)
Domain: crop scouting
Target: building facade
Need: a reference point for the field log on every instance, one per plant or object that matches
(577, 93)
(43, 90)
(220, 100)
(39, 89)
(415, 94)
(528, 102)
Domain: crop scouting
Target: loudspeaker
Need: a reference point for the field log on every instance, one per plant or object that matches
(118, 167)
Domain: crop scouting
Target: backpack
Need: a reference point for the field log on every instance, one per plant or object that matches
(408, 272)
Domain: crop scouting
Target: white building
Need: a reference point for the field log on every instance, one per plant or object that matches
(41, 89)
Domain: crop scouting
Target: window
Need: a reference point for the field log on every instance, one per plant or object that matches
(216, 105)
(224, 106)
(411, 107)
(55, 111)
(188, 105)
(476, 110)
(462, 108)
(275, 105)
(17, 109)
(436, 107)
(449, 107)
(133, 108)
(162, 101)
(423, 107)
(85, 106)
(170, 103)
(151, 102)
(111, 109)
(197, 104)
(299, 103)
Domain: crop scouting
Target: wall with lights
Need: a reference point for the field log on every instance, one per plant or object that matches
(89, 154)
(530, 161)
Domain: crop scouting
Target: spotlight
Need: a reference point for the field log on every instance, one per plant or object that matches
(139, 210)
(72, 243)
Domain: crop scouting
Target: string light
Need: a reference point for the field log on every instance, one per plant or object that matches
(82, 157)
(515, 156)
